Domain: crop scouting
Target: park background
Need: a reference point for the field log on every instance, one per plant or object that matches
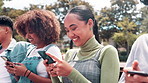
(120, 22)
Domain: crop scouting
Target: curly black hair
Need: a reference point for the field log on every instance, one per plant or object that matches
(6, 21)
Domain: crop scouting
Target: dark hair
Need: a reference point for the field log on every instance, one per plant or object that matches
(145, 2)
(85, 14)
(6, 21)
(41, 22)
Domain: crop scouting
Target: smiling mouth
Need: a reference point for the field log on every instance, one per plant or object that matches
(74, 39)
(30, 39)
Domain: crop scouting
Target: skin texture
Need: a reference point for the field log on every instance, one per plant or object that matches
(5, 37)
(33, 38)
(78, 31)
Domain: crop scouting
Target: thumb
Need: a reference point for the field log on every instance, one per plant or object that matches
(135, 65)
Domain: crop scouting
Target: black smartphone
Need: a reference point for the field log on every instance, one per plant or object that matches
(5, 58)
(1, 46)
(45, 56)
(138, 73)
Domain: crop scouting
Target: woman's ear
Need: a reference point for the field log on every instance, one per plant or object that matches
(90, 23)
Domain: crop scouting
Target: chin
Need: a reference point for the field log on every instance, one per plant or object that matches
(78, 44)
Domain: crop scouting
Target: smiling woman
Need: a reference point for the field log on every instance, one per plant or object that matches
(42, 29)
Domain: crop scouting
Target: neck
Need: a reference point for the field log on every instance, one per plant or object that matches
(41, 46)
(6, 42)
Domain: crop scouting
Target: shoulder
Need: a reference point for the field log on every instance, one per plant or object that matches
(108, 52)
(23, 44)
(109, 48)
(142, 38)
(141, 41)
(54, 50)
(69, 53)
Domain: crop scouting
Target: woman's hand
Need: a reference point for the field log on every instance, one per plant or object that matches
(18, 69)
(60, 68)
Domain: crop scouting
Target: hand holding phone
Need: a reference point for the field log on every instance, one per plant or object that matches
(138, 73)
(45, 56)
(5, 58)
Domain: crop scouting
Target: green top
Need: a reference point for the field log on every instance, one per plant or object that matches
(108, 58)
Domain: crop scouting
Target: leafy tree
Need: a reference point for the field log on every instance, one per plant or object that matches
(124, 8)
(126, 37)
(122, 18)
(144, 25)
(106, 23)
(1, 4)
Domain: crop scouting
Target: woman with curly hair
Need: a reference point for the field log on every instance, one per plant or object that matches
(42, 29)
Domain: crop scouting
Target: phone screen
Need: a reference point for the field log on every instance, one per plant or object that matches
(45, 56)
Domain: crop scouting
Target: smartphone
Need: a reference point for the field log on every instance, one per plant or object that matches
(45, 56)
(5, 58)
(1, 46)
(138, 73)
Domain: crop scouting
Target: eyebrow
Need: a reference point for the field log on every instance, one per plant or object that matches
(72, 25)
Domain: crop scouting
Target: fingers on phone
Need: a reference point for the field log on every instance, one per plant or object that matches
(55, 58)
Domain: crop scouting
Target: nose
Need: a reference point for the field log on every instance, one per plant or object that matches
(70, 34)
(27, 35)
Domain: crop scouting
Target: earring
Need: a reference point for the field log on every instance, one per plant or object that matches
(91, 28)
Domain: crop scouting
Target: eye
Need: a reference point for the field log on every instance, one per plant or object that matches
(73, 28)
(30, 31)
(66, 30)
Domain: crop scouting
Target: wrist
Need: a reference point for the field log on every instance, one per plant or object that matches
(25, 72)
(28, 72)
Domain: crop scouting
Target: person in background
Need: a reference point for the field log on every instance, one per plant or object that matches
(6, 42)
(9, 47)
(92, 62)
(42, 29)
(137, 59)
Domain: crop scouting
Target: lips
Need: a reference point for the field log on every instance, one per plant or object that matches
(75, 39)
(30, 40)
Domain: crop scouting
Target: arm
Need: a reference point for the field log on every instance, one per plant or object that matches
(20, 70)
(109, 65)
(77, 77)
(62, 68)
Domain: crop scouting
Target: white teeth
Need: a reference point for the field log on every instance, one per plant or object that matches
(29, 39)
(74, 39)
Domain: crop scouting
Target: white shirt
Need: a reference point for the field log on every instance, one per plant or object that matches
(4, 75)
(41, 69)
(138, 52)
